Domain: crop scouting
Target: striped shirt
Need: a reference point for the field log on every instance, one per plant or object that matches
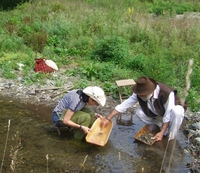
(71, 101)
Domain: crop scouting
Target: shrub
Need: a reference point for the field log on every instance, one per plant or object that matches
(138, 34)
(81, 46)
(193, 100)
(182, 8)
(111, 49)
(56, 44)
(160, 7)
(36, 40)
(111, 88)
(11, 44)
(137, 62)
(7, 71)
(99, 71)
(159, 67)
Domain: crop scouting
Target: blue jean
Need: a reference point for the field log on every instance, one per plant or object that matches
(56, 120)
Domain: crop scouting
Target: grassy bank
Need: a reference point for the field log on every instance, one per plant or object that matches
(105, 40)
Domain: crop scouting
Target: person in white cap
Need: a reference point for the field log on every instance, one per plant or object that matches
(71, 110)
(156, 100)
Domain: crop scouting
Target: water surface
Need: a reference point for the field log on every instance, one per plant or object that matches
(44, 151)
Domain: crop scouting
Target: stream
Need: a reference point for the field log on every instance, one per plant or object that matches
(30, 143)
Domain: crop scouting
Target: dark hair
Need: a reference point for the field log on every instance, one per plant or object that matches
(83, 96)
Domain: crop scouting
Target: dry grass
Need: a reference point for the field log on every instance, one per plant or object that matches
(16, 157)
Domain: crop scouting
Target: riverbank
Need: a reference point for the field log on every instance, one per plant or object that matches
(48, 95)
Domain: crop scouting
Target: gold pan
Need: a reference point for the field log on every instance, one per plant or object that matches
(146, 134)
(96, 135)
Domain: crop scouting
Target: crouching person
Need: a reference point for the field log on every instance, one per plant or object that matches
(71, 110)
(157, 100)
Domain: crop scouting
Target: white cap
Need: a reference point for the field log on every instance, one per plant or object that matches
(96, 94)
(51, 64)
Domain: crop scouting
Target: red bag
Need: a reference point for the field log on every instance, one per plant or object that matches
(41, 66)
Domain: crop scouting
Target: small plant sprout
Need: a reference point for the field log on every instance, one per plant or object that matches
(4, 152)
(47, 157)
(119, 155)
(16, 157)
(130, 11)
(142, 169)
(161, 168)
(82, 164)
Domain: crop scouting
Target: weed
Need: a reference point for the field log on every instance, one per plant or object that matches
(34, 77)
(47, 157)
(111, 88)
(81, 84)
(111, 49)
(36, 40)
(193, 100)
(16, 157)
(82, 164)
(5, 148)
(137, 62)
(108, 40)
(82, 46)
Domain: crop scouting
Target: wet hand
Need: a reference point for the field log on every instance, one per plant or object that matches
(158, 137)
(85, 129)
(98, 116)
(104, 122)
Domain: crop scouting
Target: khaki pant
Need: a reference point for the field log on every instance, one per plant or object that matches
(84, 117)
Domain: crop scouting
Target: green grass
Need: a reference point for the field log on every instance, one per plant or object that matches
(109, 40)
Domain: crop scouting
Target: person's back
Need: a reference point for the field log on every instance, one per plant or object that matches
(71, 100)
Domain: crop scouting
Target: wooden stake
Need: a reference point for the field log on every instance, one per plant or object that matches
(62, 92)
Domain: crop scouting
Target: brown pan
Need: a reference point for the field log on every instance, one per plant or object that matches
(146, 134)
(97, 135)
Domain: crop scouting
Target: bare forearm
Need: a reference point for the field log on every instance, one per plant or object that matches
(112, 114)
(159, 135)
(164, 127)
(71, 124)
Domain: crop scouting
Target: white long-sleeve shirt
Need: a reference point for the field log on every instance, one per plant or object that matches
(170, 103)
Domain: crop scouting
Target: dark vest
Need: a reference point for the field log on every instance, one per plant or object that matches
(163, 95)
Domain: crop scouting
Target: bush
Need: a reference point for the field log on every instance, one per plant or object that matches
(193, 100)
(137, 62)
(111, 49)
(182, 8)
(99, 71)
(36, 41)
(159, 68)
(80, 46)
(160, 7)
(11, 44)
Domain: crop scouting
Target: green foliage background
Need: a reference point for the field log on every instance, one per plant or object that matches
(109, 40)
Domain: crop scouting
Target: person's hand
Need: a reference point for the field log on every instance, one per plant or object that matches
(104, 122)
(98, 116)
(85, 129)
(158, 136)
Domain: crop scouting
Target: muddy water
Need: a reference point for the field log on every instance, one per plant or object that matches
(44, 151)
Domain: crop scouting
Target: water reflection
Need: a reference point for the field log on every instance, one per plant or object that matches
(122, 154)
